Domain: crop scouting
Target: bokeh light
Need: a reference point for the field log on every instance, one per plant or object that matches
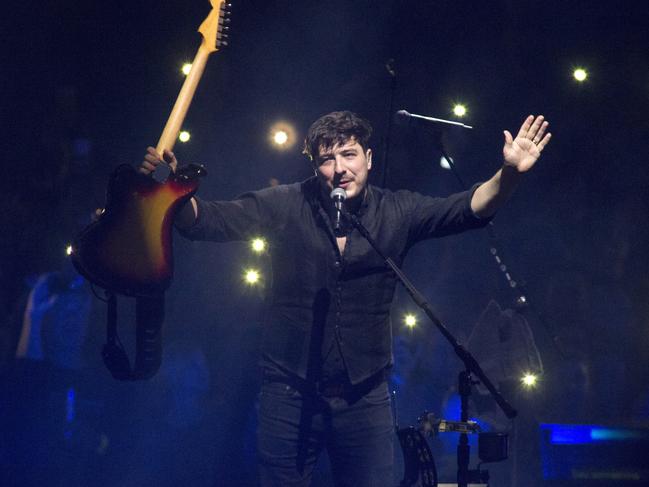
(258, 245)
(529, 380)
(580, 74)
(252, 276)
(459, 110)
(410, 320)
(184, 136)
(282, 135)
(187, 67)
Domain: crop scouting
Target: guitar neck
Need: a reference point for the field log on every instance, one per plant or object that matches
(213, 29)
(179, 111)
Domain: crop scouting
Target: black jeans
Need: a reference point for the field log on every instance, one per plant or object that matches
(295, 425)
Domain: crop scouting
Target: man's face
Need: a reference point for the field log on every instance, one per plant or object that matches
(346, 166)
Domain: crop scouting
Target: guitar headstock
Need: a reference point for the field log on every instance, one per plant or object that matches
(214, 28)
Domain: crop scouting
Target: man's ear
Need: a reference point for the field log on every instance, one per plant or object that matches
(368, 156)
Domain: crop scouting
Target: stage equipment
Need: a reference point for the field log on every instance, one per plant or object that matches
(502, 341)
(419, 462)
(417, 458)
(128, 249)
(594, 455)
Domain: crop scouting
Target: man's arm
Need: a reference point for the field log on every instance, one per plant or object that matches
(186, 216)
(520, 154)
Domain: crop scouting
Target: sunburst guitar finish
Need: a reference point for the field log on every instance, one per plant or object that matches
(128, 249)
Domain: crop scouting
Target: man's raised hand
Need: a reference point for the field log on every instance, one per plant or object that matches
(522, 152)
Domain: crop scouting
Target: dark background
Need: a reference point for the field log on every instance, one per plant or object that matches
(88, 85)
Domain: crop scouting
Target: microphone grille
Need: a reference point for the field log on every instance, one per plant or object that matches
(402, 117)
(338, 193)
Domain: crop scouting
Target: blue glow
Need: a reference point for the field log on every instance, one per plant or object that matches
(581, 434)
(605, 434)
(70, 410)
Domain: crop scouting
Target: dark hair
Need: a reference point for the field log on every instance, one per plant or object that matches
(336, 128)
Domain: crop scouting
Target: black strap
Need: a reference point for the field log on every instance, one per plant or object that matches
(149, 312)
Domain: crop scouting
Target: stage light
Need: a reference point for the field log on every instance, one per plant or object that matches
(410, 320)
(282, 136)
(580, 74)
(252, 276)
(69, 250)
(459, 110)
(187, 67)
(529, 380)
(258, 245)
(184, 136)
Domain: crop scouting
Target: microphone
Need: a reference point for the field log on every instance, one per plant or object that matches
(338, 195)
(402, 117)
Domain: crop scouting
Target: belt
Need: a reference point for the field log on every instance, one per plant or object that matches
(330, 388)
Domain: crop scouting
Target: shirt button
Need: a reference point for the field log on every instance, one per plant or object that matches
(337, 263)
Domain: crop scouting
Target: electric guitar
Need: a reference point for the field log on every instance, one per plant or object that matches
(128, 249)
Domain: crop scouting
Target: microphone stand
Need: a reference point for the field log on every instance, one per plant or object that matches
(471, 366)
(389, 66)
(521, 301)
(521, 298)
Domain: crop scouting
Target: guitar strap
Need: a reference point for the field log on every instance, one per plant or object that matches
(149, 316)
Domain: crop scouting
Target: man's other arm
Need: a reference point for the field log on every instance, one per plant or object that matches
(519, 154)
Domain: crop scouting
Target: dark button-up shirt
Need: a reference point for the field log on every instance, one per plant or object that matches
(320, 296)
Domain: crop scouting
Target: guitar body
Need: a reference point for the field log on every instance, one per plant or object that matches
(128, 249)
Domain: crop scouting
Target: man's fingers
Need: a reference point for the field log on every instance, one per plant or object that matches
(169, 157)
(509, 140)
(146, 167)
(539, 134)
(526, 126)
(534, 128)
(152, 159)
(544, 142)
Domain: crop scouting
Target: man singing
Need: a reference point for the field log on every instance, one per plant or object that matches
(327, 342)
